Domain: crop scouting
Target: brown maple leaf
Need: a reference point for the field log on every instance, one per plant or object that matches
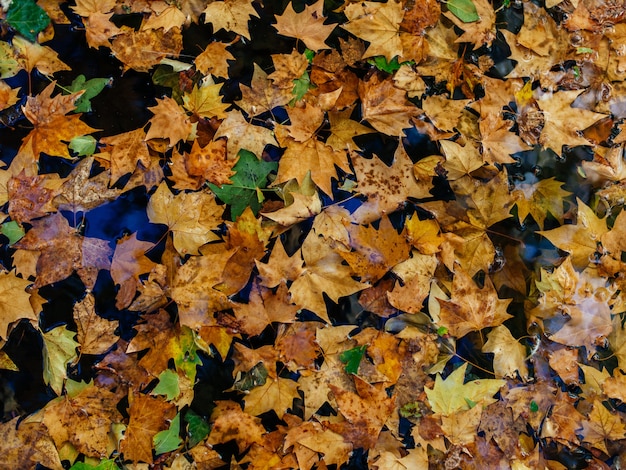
(148, 415)
(229, 422)
(142, 50)
(214, 59)
(366, 412)
(128, 263)
(96, 335)
(83, 419)
(384, 106)
(126, 150)
(64, 251)
(386, 188)
(472, 308)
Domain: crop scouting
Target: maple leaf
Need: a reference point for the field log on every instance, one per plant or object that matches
(59, 348)
(417, 273)
(263, 308)
(603, 426)
(451, 395)
(311, 156)
(231, 15)
(83, 418)
(261, 95)
(509, 354)
(307, 25)
(314, 437)
(153, 46)
(385, 106)
(579, 300)
(27, 444)
(52, 128)
(96, 335)
(205, 101)
(31, 197)
(344, 130)
(229, 422)
(563, 122)
(472, 308)
(538, 199)
(460, 160)
(191, 217)
(480, 32)
(377, 23)
(32, 55)
(148, 416)
(194, 288)
(366, 412)
(244, 187)
(386, 188)
(214, 59)
(63, 251)
(15, 302)
(128, 263)
(376, 250)
(210, 162)
(277, 395)
(244, 135)
(323, 275)
(580, 239)
(169, 122)
(126, 150)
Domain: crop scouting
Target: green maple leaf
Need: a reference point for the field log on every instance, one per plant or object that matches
(465, 10)
(248, 181)
(168, 440)
(107, 464)
(352, 358)
(168, 385)
(59, 348)
(27, 18)
(197, 428)
(91, 87)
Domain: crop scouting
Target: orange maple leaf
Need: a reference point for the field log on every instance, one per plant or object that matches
(307, 25)
(53, 129)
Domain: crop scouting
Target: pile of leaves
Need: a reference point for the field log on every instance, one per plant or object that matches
(369, 234)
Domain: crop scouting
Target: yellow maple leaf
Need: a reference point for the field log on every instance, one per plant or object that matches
(538, 199)
(205, 101)
(580, 239)
(509, 355)
(323, 273)
(14, 302)
(191, 217)
(602, 426)
(231, 15)
(277, 394)
(377, 23)
(452, 395)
